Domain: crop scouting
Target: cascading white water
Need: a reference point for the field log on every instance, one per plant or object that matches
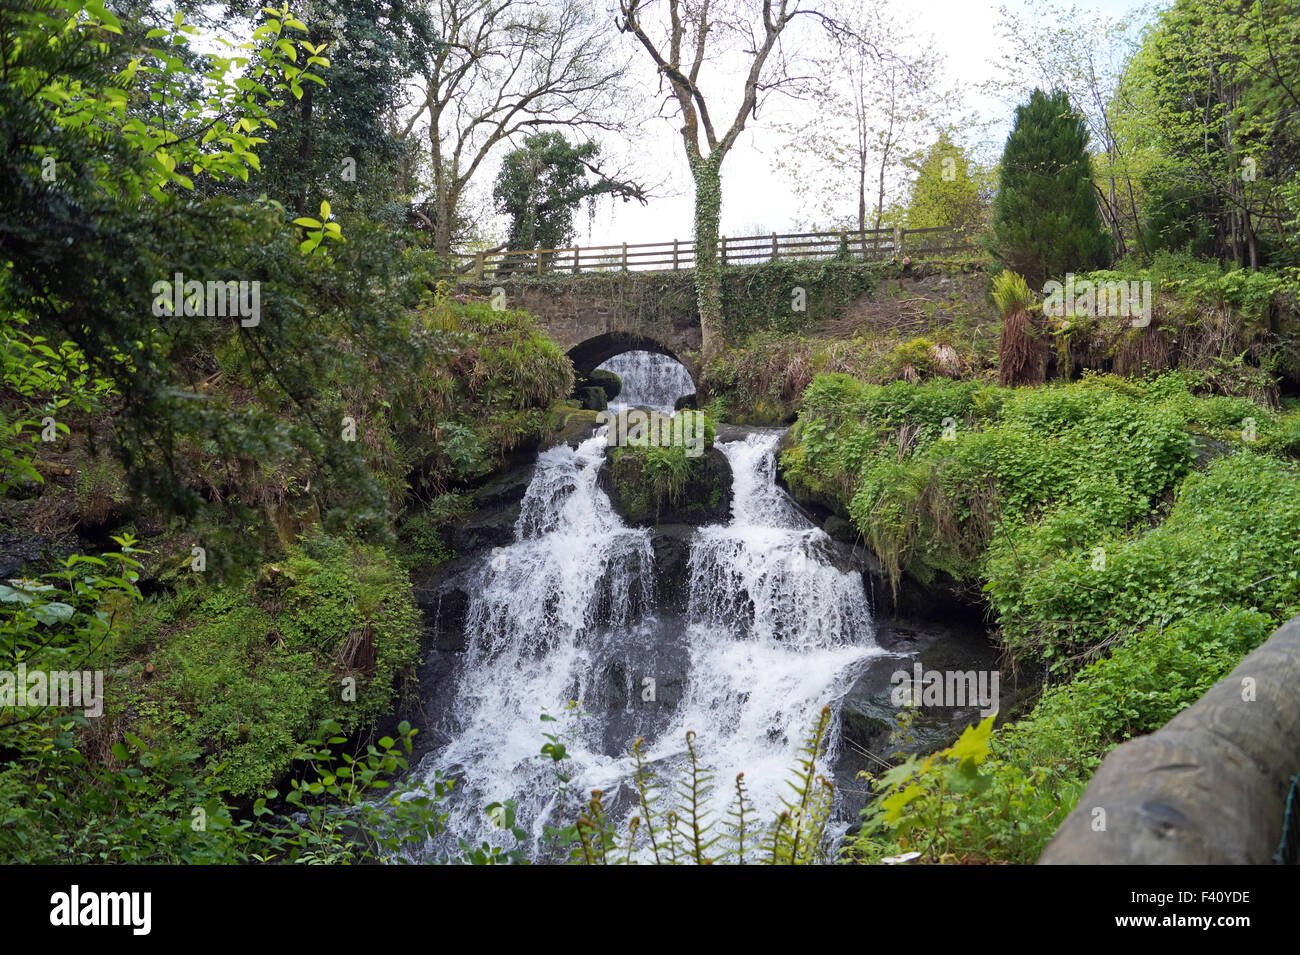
(771, 632)
(650, 381)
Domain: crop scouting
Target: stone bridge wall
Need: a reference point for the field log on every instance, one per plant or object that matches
(596, 317)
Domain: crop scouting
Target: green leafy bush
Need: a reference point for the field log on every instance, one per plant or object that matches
(329, 633)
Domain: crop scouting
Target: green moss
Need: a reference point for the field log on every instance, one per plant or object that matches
(651, 479)
(242, 676)
(1025, 491)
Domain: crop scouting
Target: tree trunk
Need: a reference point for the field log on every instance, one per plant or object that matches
(862, 192)
(708, 275)
(442, 226)
(444, 199)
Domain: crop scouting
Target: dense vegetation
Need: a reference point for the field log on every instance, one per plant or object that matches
(220, 513)
(1136, 524)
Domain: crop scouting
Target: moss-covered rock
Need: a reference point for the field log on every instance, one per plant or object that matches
(650, 486)
(606, 380)
(242, 676)
(573, 425)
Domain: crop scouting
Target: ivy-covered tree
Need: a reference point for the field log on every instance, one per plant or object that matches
(1045, 216)
(543, 182)
(678, 40)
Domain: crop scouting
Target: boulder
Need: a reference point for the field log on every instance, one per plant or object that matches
(642, 499)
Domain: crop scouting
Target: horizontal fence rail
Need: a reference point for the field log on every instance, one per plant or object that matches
(1216, 785)
(677, 254)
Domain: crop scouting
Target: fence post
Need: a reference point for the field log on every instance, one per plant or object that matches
(674, 255)
(624, 256)
(577, 259)
(478, 266)
(775, 254)
(724, 250)
(898, 242)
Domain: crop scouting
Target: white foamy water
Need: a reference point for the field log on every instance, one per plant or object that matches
(650, 380)
(770, 633)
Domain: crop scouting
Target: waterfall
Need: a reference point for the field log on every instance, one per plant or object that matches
(650, 380)
(769, 632)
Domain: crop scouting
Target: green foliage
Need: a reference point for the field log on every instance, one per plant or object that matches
(924, 804)
(944, 192)
(758, 298)
(541, 184)
(1228, 541)
(1209, 104)
(1000, 796)
(1045, 216)
(137, 806)
(1138, 688)
(244, 676)
(1017, 488)
(334, 141)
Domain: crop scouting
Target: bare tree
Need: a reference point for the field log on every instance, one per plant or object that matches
(867, 112)
(680, 36)
(508, 67)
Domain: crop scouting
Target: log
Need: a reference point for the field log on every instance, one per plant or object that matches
(1208, 788)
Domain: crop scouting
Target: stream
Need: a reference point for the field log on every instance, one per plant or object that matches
(768, 623)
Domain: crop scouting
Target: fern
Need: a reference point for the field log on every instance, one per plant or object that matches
(694, 792)
(687, 833)
(740, 812)
(1011, 293)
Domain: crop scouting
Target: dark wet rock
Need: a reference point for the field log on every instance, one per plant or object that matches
(672, 555)
(839, 529)
(1207, 450)
(869, 716)
(18, 551)
(504, 488)
(637, 685)
(686, 401)
(494, 527)
(724, 433)
(592, 398)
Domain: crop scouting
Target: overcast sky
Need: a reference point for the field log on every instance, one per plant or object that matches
(964, 31)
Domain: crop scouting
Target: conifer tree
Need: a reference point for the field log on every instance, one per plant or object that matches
(1045, 216)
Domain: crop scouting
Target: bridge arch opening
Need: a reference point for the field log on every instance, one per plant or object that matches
(653, 376)
(592, 353)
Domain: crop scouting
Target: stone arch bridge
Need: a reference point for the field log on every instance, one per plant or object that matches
(595, 320)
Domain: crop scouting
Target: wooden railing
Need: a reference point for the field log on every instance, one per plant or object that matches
(862, 245)
(1213, 786)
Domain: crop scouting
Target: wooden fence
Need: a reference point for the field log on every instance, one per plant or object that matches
(1216, 785)
(861, 245)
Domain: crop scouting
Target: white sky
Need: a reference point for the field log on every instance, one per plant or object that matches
(756, 199)
(964, 31)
